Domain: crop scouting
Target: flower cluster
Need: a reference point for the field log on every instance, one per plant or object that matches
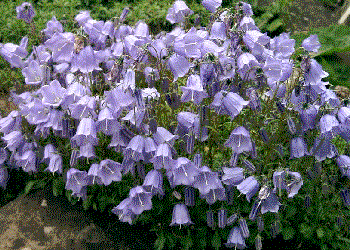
(229, 69)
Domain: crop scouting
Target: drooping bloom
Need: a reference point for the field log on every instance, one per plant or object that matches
(135, 148)
(214, 194)
(109, 171)
(163, 157)
(311, 43)
(206, 180)
(13, 140)
(298, 148)
(179, 65)
(194, 90)
(25, 12)
(140, 200)
(180, 215)
(183, 172)
(239, 140)
(76, 181)
(295, 184)
(178, 12)
(124, 211)
(232, 176)
(235, 239)
(55, 164)
(62, 47)
(53, 94)
(212, 5)
(343, 162)
(93, 174)
(33, 73)
(249, 187)
(228, 103)
(86, 133)
(3, 176)
(15, 53)
(153, 182)
(52, 27)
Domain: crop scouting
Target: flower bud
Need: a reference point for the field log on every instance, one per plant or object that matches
(260, 223)
(231, 219)
(244, 227)
(307, 201)
(229, 195)
(249, 165)
(258, 242)
(264, 135)
(291, 125)
(189, 196)
(222, 218)
(210, 218)
(255, 210)
(73, 158)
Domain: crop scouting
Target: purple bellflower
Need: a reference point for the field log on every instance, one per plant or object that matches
(343, 162)
(180, 215)
(163, 157)
(4, 176)
(153, 182)
(298, 148)
(76, 181)
(249, 187)
(55, 164)
(183, 172)
(232, 176)
(235, 239)
(93, 175)
(86, 133)
(15, 53)
(109, 171)
(239, 140)
(140, 200)
(25, 12)
(206, 180)
(34, 73)
(194, 90)
(211, 5)
(311, 43)
(178, 12)
(53, 94)
(124, 211)
(52, 27)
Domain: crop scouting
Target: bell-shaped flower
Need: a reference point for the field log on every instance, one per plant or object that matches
(77, 181)
(49, 152)
(232, 176)
(344, 115)
(308, 117)
(217, 193)
(228, 103)
(277, 69)
(211, 5)
(153, 182)
(343, 162)
(15, 53)
(135, 116)
(28, 161)
(82, 17)
(109, 171)
(55, 164)
(106, 122)
(279, 180)
(315, 73)
(179, 65)
(52, 27)
(345, 195)
(124, 212)
(140, 200)
(228, 65)
(188, 121)
(180, 215)
(189, 44)
(235, 239)
(164, 136)
(53, 94)
(178, 12)
(86, 61)
(218, 31)
(3, 156)
(4, 176)
(247, 9)
(34, 73)
(13, 140)
(86, 133)
(93, 174)
(135, 148)
(87, 151)
(25, 12)
(163, 157)
(269, 201)
(11, 123)
(84, 107)
(256, 41)
(328, 123)
(239, 140)
(151, 76)
(206, 180)
(249, 187)
(183, 172)
(311, 43)
(323, 147)
(295, 184)
(194, 90)
(282, 45)
(62, 47)
(244, 63)
(298, 148)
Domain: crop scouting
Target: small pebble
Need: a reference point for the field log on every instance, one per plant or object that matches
(44, 203)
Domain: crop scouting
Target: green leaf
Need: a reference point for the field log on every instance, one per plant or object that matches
(320, 232)
(216, 241)
(291, 211)
(288, 233)
(263, 19)
(275, 25)
(160, 241)
(57, 187)
(87, 203)
(29, 186)
(306, 230)
(187, 242)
